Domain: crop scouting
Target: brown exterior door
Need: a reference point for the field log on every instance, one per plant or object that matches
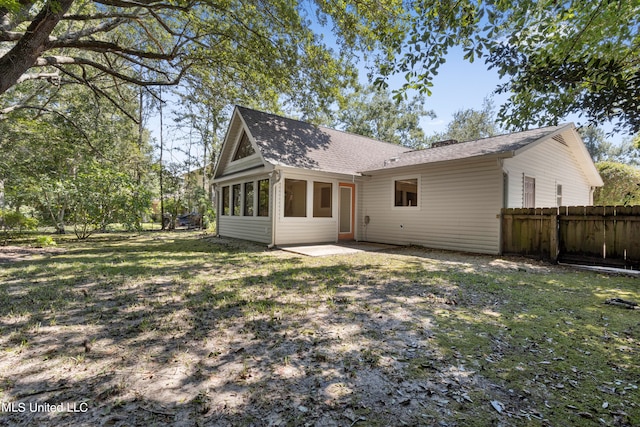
(346, 210)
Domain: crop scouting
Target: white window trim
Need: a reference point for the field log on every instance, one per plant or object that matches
(535, 184)
(309, 218)
(393, 193)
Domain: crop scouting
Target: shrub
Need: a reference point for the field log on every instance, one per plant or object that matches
(14, 223)
(45, 241)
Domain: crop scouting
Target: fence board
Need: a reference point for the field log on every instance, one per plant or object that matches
(605, 235)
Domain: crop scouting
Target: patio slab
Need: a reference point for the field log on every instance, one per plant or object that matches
(336, 248)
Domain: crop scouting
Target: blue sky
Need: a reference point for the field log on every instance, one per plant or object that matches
(459, 85)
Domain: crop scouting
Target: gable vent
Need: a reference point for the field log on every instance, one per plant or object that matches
(560, 139)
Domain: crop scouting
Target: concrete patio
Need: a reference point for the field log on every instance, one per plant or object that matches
(326, 249)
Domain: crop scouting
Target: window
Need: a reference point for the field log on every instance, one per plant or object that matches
(236, 199)
(559, 195)
(263, 197)
(529, 199)
(406, 192)
(295, 198)
(225, 200)
(322, 195)
(248, 198)
(245, 149)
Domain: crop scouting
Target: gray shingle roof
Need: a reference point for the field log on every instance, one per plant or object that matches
(294, 143)
(502, 144)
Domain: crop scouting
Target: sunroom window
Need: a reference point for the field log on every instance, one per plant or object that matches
(225, 200)
(295, 198)
(248, 198)
(263, 197)
(322, 196)
(236, 199)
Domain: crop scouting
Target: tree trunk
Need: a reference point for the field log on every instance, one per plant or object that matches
(32, 45)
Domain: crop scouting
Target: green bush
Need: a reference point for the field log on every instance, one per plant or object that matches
(45, 241)
(13, 223)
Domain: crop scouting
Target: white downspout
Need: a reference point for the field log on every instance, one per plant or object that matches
(275, 176)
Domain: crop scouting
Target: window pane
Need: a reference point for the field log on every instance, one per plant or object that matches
(295, 198)
(263, 197)
(236, 199)
(248, 198)
(225, 200)
(529, 192)
(322, 196)
(406, 192)
(244, 148)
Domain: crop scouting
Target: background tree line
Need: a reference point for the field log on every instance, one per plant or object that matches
(79, 79)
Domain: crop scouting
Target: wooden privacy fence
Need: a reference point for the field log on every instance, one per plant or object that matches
(600, 235)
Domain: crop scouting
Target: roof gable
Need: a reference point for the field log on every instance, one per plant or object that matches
(293, 143)
(239, 151)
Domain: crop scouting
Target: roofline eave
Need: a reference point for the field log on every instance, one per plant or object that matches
(490, 156)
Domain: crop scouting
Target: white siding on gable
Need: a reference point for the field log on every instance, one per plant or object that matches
(459, 208)
(550, 163)
(233, 140)
(243, 164)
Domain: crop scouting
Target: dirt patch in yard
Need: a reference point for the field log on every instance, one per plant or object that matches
(21, 253)
(186, 330)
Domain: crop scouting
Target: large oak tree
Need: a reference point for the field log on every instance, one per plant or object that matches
(265, 47)
(558, 57)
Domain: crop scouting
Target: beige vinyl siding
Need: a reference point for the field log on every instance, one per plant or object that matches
(257, 229)
(293, 231)
(550, 163)
(457, 207)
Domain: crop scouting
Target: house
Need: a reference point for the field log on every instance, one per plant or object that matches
(281, 181)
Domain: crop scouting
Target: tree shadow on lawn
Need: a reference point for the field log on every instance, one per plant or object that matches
(217, 335)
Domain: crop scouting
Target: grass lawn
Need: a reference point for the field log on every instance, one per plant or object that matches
(184, 329)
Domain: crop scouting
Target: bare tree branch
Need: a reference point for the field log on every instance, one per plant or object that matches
(98, 92)
(86, 32)
(101, 16)
(102, 46)
(10, 36)
(50, 77)
(147, 4)
(69, 60)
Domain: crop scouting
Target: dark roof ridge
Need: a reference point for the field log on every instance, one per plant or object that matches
(519, 131)
(559, 126)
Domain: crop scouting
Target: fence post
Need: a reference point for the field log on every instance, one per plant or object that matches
(554, 231)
